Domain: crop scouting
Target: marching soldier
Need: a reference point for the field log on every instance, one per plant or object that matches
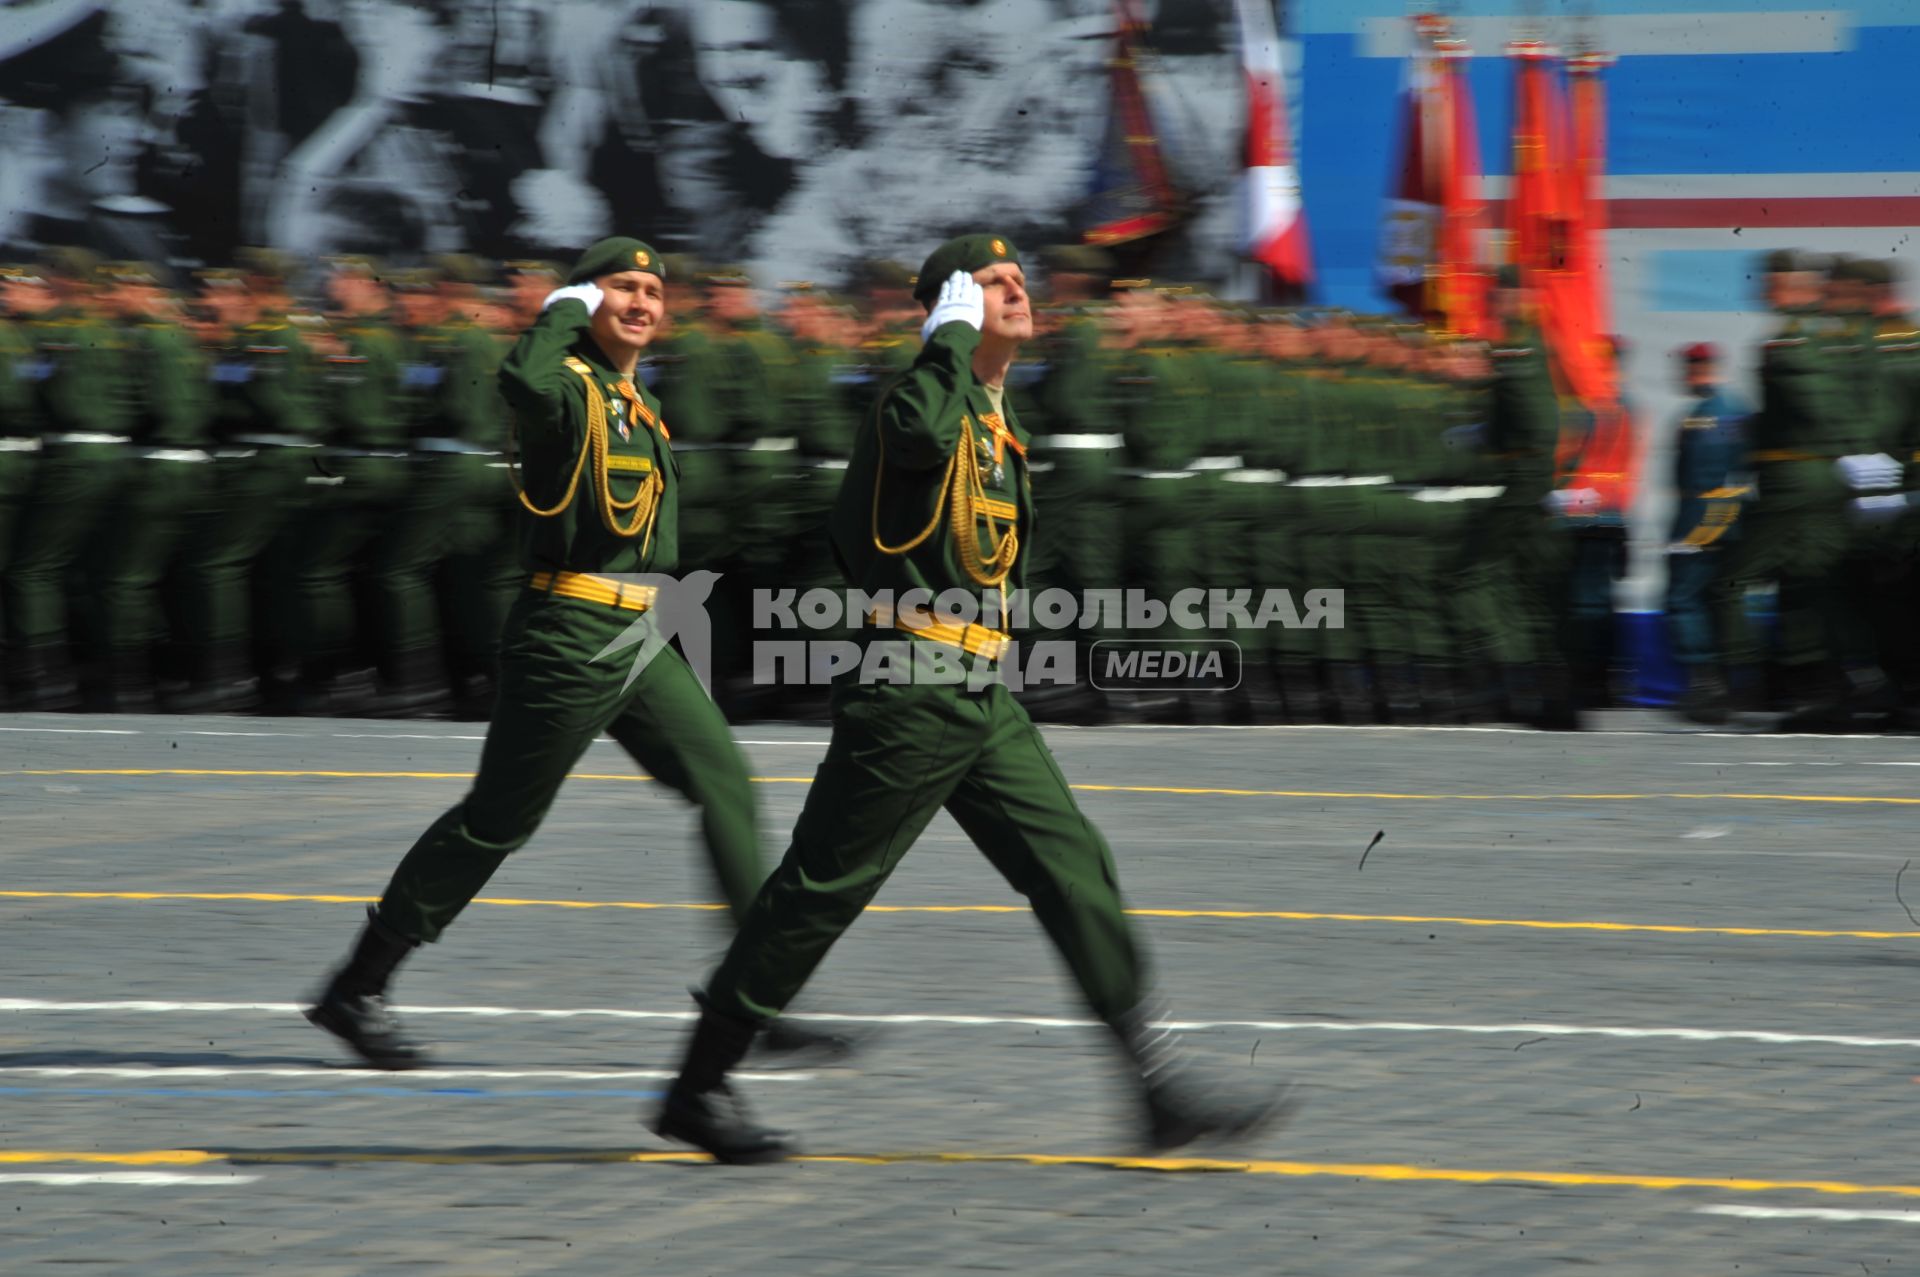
(24, 297)
(81, 404)
(1080, 454)
(1710, 465)
(943, 441)
(1520, 553)
(1797, 533)
(600, 496)
(164, 481)
(479, 566)
(364, 484)
(1896, 611)
(266, 434)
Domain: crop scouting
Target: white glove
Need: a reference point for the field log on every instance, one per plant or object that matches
(1880, 509)
(960, 299)
(1571, 502)
(588, 292)
(1875, 471)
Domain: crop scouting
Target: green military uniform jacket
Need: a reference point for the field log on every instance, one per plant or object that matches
(265, 383)
(1523, 417)
(893, 523)
(566, 458)
(363, 386)
(170, 384)
(78, 383)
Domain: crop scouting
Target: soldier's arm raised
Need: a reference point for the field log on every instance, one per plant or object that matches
(920, 413)
(533, 377)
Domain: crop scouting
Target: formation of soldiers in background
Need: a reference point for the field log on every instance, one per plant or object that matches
(225, 497)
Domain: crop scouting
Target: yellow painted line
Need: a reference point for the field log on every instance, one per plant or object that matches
(1384, 1172)
(1378, 796)
(1258, 915)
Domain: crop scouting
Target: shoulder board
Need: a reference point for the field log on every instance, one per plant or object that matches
(1700, 423)
(1776, 342)
(576, 364)
(1508, 352)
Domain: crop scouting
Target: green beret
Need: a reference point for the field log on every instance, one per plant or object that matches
(1507, 276)
(268, 263)
(417, 279)
(462, 268)
(968, 253)
(1871, 270)
(1895, 271)
(617, 253)
(1791, 261)
(74, 263)
(532, 266)
(878, 275)
(1857, 271)
(130, 273)
(1077, 259)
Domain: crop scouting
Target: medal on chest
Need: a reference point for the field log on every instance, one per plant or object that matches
(619, 405)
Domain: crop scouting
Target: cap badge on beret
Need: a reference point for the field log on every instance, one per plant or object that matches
(640, 257)
(999, 248)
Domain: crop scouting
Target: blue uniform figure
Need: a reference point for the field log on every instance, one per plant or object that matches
(1710, 475)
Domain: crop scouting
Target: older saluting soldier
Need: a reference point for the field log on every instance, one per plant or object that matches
(601, 502)
(937, 498)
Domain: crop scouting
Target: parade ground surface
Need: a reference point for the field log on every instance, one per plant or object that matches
(1639, 1001)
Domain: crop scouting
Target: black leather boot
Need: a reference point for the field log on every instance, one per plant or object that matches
(1397, 694)
(1352, 695)
(702, 1108)
(1300, 689)
(1182, 1103)
(796, 1037)
(1437, 703)
(354, 1007)
(41, 678)
(1706, 699)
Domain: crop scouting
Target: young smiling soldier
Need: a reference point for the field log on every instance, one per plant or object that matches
(599, 496)
(936, 497)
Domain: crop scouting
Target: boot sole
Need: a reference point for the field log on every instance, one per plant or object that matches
(1276, 1115)
(319, 1019)
(760, 1157)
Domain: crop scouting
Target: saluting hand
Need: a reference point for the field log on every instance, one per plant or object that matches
(588, 292)
(961, 299)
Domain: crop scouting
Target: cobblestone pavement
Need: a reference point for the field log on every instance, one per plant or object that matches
(1634, 1002)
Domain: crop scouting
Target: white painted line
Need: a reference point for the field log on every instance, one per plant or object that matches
(1813, 1212)
(76, 731)
(138, 1179)
(1849, 762)
(365, 1075)
(1769, 1036)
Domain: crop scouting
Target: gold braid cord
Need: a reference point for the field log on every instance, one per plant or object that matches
(963, 497)
(645, 503)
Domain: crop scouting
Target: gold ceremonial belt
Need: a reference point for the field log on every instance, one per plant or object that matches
(974, 640)
(595, 589)
(1785, 454)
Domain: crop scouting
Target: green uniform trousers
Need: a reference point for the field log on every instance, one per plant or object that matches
(901, 752)
(1801, 545)
(351, 511)
(164, 489)
(554, 700)
(481, 575)
(251, 493)
(73, 488)
(16, 480)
